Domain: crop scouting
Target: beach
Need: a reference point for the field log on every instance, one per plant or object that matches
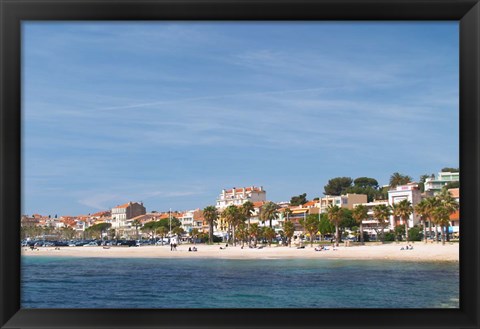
(420, 252)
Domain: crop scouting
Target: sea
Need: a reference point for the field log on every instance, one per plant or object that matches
(70, 282)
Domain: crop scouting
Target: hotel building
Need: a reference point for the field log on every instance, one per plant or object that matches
(238, 196)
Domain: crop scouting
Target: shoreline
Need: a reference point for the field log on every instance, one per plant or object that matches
(421, 252)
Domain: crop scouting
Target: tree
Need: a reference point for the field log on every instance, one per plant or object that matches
(337, 185)
(98, 228)
(422, 210)
(381, 213)
(210, 214)
(448, 169)
(298, 200)
(288, 229)
(137, 223)
(233, 216)
(451, 206)
(366, 182)
(360, 213)
(247, 210)
(452, 185)
(421, 184)
(268, 212)
(194, 234)
(335, 215)
(310, 224)
(325, 226)
(254, 232)
(397, 179)
(287, 212)
(269, 234)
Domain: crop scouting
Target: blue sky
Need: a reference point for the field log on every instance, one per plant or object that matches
(169, 113)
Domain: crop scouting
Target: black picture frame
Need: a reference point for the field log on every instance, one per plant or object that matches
(13, 12)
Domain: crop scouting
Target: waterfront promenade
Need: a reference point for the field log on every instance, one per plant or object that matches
(420, 252)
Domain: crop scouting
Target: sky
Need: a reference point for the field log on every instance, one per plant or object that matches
(171, 113)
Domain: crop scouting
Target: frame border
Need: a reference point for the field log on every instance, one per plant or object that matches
(13, 12)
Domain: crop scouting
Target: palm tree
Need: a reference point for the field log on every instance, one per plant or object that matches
(254, 232)
(210, 214)
(233, 217)
(161, 230)
(441, 215)
(404, 212)
(335, 215)
(431, 204)
(360, 212)
(269, 234)
(136, 222)
(289, 229)
(247, 209)
(242, 233)
(451, 206)
(268, 212)
(194, 234)
(310, 224)
(422, 210)
(381, 213)
(287, 212)
(397, 179)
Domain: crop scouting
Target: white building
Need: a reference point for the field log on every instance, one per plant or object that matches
(434, 185)
(412, 193)
(121, 213)
(238, 196)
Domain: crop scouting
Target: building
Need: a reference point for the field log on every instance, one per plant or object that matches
(370, 224)
(412, 193)
(121, 213)
(455, 217)
(343, 201)
(192, 219)
(434, 185)
(238, 196)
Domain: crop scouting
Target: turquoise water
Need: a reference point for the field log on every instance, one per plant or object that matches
(63, 282)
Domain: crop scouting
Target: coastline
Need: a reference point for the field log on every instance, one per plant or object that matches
(421, 252)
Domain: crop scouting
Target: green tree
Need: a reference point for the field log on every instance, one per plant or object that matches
(255, 232)
(233, 216)
(247, 209)
(451, 206)
(98, 229)
(299, 199)
(335, 215)
(381, 213)
(136, 223)
(194, 234)
(422, 210)
(268, 212)
(210, 214)
(421, 183)
(310, 224)
(359, 214)
(288, 229)
(269, 234)
(337, 185)
(448, 169)
(397, 179)
(325, 226)
(287, 213)
(452, 185)
(366, 182)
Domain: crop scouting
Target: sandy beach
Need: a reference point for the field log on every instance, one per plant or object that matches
(420, 252)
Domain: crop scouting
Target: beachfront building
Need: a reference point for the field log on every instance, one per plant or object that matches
(343, 201)
(410, 192)
(370, 224)
(192, 219)
(434, 185)
(121, 213)
(455, 217)
(238, 196)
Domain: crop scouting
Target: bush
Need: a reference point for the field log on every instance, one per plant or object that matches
(389, 236)
(415, 234)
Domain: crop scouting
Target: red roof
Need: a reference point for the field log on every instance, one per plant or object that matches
(455, 215)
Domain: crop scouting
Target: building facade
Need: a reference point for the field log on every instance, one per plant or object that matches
(410, 192)
(434, 185)
(121, 213)
(238, 196)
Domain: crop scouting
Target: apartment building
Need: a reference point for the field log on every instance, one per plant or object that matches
(121, 213)
(434, 185)
(412, 193)
(238, 196)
